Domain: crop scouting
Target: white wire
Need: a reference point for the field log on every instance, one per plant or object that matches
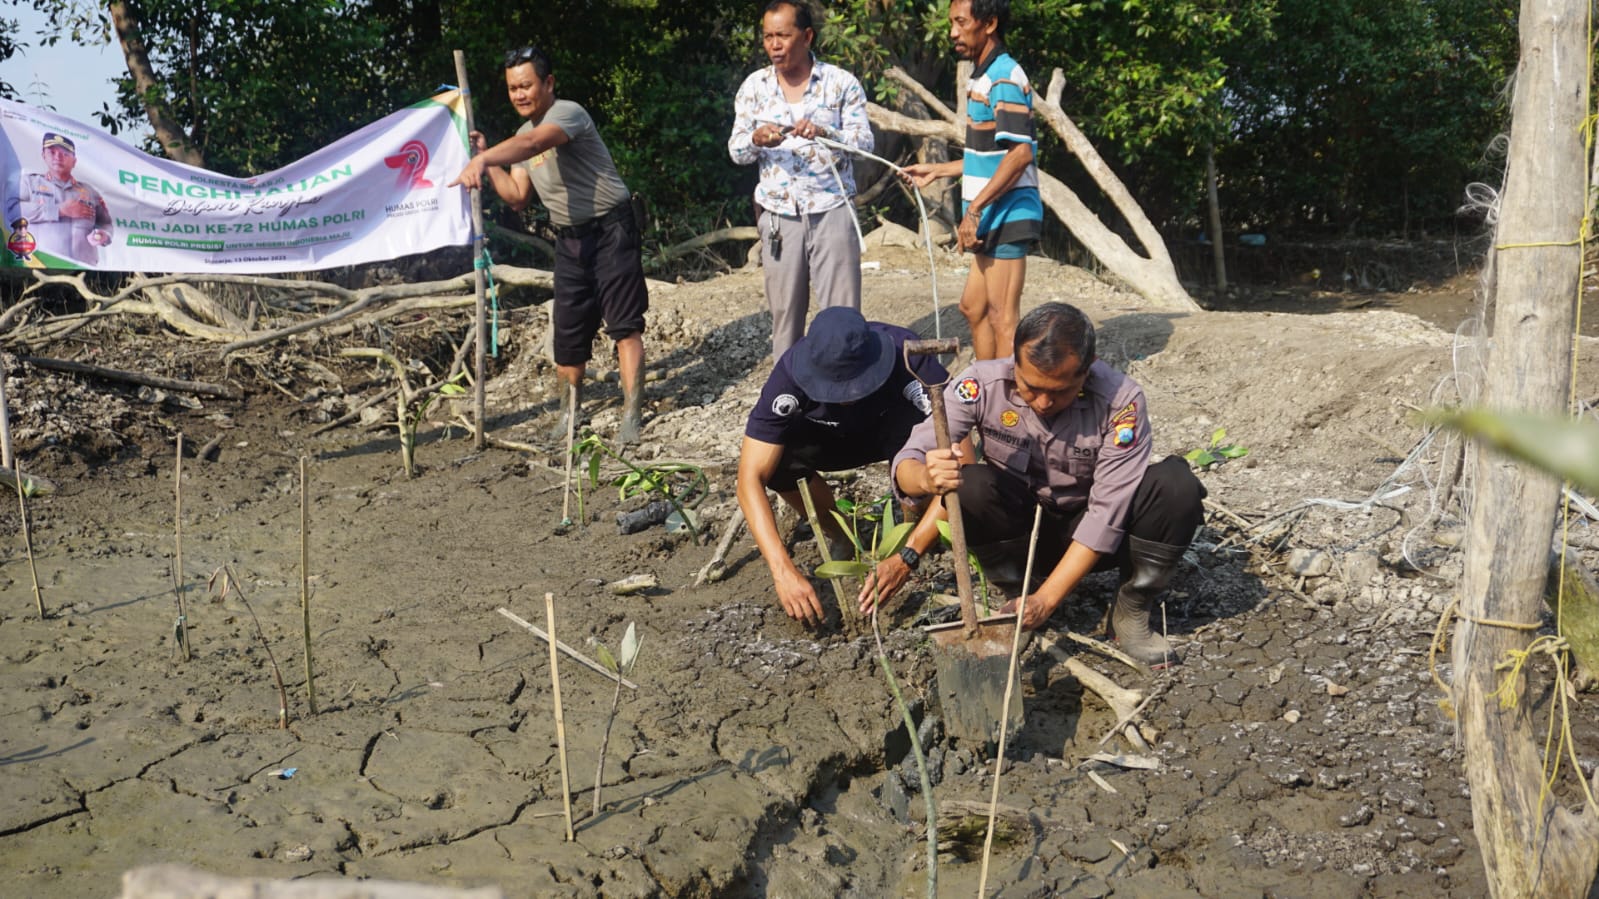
(921, 206)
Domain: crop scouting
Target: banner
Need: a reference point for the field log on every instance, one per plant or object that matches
(77, 198)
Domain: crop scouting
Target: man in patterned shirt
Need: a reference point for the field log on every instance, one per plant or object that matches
(806, 215)
(1004, 213)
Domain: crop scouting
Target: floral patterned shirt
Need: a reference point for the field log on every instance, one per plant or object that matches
(797, 175)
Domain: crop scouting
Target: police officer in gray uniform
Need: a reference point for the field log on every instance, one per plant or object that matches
(66, 216)
(1062, 430)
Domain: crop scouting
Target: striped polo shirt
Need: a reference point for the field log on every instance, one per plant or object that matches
(999, 114)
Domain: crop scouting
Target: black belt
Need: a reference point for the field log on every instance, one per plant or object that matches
(619, 212)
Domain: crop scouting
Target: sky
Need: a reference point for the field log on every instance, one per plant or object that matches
(72, 80)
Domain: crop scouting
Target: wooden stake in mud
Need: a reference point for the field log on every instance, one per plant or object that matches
(571, 432)
(1010, 682)
(479, 322)
(969, 655)
(27, 539)
(181, 628)
(5, 425)
(305, 593)
(560, 719)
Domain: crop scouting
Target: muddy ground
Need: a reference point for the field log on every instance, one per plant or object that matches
(1300, 750)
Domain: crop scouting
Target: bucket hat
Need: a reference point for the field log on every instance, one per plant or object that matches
(841, 359)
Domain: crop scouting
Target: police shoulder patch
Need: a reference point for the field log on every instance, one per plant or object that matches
(967, 391)
(1124, 425)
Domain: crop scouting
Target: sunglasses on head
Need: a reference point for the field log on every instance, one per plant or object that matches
(522, 55)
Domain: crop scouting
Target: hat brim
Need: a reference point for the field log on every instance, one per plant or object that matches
(857, 388)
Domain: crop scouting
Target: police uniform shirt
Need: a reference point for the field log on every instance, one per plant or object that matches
(786, 415)
(1092, 453)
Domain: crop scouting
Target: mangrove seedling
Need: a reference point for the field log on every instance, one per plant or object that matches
(620, 665)
(222, 583)
(412, 403)
(1216, 453)
(679, 483)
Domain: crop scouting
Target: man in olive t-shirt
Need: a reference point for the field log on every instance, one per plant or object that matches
(598, 270)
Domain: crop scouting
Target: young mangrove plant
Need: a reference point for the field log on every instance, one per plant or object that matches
(679, 483)
(620, 665)
(411, 403)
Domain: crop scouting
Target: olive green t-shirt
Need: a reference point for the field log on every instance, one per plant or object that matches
(576, 181)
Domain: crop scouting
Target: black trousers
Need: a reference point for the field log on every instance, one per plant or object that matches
(1167, 508)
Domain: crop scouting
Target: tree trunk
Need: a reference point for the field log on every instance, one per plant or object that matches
(1531, 844)
(1218, 250)
(168, 132)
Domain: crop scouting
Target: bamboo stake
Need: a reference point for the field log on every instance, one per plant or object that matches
(182, 627)
(5, 425)
(571, 431)
(479, 322)
(27, 539)
(1010, 682)
(305, 593)
(845, 609)
(560, 720)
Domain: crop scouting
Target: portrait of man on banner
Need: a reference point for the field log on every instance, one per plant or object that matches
(64, 216)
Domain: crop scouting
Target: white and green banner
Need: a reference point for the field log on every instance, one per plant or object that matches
(78, 198)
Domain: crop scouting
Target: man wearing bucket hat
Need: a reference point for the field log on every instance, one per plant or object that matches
(840, 398)
(1068, 432)
(66, 216)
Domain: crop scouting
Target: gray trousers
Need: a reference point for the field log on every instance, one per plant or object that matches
(819, 251)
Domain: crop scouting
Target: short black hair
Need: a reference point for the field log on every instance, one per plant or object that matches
(998, 10)
(530, 54)
(1054, 333)
(803, 18)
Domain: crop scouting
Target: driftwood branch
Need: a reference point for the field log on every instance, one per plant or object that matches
(1152, 274)
(133, 377)
(742, 232)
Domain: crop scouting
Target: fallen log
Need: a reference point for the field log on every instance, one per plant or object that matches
(201, 388)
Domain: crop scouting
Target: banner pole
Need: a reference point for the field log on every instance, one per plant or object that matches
(478, 261)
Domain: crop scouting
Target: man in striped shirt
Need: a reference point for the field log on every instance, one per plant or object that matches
(1003, 214)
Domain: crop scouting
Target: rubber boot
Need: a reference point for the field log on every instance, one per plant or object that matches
(571, 404)
(628, 433)
(1153, 565)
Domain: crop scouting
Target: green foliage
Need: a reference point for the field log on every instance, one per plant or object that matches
(972, 560)
(1564, 447)
(1216, 453)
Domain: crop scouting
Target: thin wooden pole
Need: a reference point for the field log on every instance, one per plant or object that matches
(305, 591)
(178, 579)
(27, 539)
(5, 426)
(480, 276)
(1010, 684)
(560, 719)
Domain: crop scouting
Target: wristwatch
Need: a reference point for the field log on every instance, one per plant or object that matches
(910, 557)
